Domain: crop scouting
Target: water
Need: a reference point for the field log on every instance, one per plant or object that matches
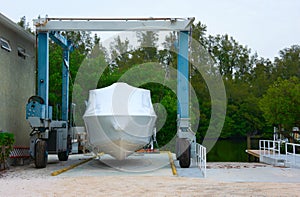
(230, 150)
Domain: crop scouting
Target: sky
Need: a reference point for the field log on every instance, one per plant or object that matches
(265, 26)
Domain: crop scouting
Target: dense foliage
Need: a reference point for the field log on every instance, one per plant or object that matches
(280, 105)
(6, 144)
(254, 85)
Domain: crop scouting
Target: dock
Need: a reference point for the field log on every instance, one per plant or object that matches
(276, 159)
(258, 153)
(255, 153)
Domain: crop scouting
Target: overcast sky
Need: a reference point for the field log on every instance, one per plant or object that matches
(265, 26)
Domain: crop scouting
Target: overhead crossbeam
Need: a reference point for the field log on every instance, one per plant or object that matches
(111, 24)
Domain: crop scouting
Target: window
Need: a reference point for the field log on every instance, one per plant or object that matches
(5, 44)
(21, 52)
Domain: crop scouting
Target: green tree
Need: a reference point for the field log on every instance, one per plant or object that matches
(262, 76)
(25, 25)
(281, 104)
(170, 41)
(120, 53)
(148, 45)
(83, 45)
(147, 38)
(234, 59)
(97, 49)
(288, 64)
(119, 47)
(199, 33)
(91, 70)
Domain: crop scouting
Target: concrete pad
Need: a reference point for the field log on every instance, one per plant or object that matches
(54, 163)
(266, 173)
(137, 164)
(143, 164)
(193, 171)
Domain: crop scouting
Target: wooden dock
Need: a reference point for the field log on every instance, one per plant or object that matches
(255, 153)
(258, 153)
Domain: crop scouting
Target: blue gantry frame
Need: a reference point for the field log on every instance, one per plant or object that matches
(43, 70)
(183, 75)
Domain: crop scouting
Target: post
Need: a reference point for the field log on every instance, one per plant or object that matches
(275, 134)
(65, 85)
(43, 69)
(249, 146)
(183, 75)
(185, 138)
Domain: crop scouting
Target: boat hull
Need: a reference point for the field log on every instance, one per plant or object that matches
(119, 119)
(119, 136)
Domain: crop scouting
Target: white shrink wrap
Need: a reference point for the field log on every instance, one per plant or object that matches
(119, 119)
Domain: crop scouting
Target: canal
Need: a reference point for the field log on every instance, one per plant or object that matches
(230, 150)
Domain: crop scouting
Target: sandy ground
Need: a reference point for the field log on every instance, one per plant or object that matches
(28, 181)
(141, 186)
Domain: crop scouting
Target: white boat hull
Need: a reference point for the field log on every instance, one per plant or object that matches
(118, 129)
(119, 136)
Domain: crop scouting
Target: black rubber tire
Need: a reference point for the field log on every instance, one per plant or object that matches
(185, 157)
(41, 154)
(63, 156)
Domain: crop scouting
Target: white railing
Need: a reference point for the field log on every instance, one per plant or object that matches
(201, 158)
(270, 152)
(292, 156)
(268, 147)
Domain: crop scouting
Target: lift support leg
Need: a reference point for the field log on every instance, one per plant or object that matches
(49, 135)
(185, 137)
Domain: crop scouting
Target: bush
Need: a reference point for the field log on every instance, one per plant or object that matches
(6, 143)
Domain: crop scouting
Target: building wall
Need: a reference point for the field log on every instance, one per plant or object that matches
(17, 81)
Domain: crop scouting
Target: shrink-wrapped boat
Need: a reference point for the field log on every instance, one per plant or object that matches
(119, 119)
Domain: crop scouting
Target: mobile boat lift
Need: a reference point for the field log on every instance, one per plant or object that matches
(54, 136)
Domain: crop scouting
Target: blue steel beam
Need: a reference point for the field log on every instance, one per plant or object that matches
(43, 68)
(67, 48)
(65, 85)
(183, 75)
(59, 39)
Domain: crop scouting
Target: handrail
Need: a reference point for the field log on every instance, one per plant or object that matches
(201, 158)
(294, 149)
(294, 154)
(269, 147)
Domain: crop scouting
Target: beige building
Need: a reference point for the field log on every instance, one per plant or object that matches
(17, 78)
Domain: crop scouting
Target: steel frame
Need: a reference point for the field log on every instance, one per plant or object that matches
(49, 28)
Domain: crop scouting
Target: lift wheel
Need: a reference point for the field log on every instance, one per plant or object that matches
(41, 154)
(63, 156)
(184, 153)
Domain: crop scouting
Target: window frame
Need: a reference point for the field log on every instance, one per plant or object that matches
(22, 52)
(5, 44)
